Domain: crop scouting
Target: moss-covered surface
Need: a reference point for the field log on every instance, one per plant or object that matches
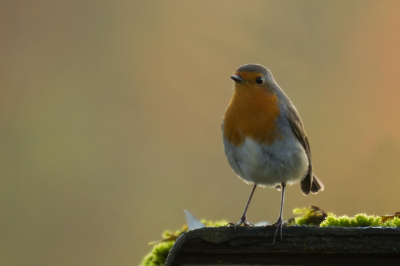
(307, 245)
(360, 220)
(315, 216)
(161, 248)
(310, 216)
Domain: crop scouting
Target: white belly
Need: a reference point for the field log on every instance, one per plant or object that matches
(268, 165)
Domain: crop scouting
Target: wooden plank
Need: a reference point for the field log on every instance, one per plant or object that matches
(301, 245)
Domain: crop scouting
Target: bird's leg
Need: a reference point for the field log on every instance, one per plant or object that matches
(279, 223)
(243, 220)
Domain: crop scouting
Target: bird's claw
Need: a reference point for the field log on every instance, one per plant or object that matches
(279, 224)
(243, 221)
(246, 223)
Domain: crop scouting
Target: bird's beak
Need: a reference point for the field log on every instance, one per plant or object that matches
(237, 79)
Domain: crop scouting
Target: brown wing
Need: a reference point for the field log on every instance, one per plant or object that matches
(310, 182)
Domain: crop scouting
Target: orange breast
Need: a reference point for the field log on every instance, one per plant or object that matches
(251, 113)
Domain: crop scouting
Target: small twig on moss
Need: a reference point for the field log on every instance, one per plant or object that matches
(310, 216)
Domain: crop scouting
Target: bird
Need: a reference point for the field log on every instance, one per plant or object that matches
(264, 138)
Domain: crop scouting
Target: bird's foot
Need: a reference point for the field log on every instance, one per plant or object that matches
(279, 224)
(243, 221)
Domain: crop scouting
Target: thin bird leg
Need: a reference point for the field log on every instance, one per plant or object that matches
(279, 223)
(243, 219)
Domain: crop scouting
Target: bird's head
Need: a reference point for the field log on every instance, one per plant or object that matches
(253, 76)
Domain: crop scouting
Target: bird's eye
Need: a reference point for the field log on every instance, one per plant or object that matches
(259, 80)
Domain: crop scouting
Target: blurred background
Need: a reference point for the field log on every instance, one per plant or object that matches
(110, 116)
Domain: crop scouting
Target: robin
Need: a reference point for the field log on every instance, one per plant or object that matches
(264, 138)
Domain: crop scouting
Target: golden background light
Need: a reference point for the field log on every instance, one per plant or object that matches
(110, 116)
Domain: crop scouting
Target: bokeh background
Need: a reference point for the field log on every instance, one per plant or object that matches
(110, 116)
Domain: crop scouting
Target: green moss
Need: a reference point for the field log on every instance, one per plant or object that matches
(360, 220)
(174, 234)
(366, 220)
(158, 255)
(214, 224)
(161, 249)
(315, 216)
(395, 222)
(310, 216)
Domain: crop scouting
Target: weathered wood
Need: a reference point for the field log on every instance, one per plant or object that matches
(301, 245)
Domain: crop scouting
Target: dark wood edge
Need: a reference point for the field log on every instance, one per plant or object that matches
(218, 235)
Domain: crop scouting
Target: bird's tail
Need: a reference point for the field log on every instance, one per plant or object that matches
(309, 184)
(316, 185)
